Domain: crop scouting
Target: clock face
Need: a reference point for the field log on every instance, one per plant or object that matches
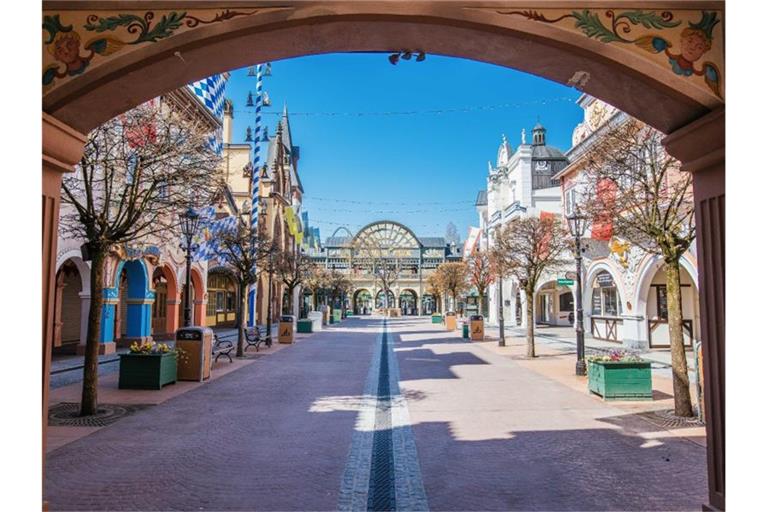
(542, 166)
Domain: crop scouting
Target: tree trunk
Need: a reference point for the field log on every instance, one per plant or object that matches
(290, 289)
(529, 330)
(241, 319)
(680, 383)
(89, 399)
(481, 309)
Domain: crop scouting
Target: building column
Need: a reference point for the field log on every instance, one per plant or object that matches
(139, 320)
(62, 149)
(85, 307)
(633, 331)
(700, 147)
(198, 312)
(172, 314)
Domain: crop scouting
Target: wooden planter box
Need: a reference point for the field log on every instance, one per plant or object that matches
(304, 325)
(147, 371)
(621, 381)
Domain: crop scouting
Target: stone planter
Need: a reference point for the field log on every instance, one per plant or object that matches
(304, 325)
(147, 371)
(621, 380)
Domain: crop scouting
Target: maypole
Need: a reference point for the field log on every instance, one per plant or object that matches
(260, 100)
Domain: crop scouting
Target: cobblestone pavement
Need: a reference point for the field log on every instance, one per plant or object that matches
(457, 426)
(493, 435)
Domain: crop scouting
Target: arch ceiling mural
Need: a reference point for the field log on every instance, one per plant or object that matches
(681, 47)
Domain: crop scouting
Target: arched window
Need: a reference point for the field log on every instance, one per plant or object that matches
(605, 296)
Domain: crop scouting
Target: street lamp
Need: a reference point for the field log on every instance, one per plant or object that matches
(190, 221)
(577, 225)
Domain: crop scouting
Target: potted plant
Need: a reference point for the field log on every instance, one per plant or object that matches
(620, 375)
(147, 365)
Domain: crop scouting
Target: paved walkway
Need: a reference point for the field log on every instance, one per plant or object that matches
(355, 419)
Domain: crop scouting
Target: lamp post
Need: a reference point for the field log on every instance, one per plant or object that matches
(577, 225)
(189, 224)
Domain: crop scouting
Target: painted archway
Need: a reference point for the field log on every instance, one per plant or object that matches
(629, 66)
(165, 310)
(132, 312)
(650, 297)
(604, 303)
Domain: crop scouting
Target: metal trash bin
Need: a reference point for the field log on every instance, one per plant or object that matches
(336, 316)
(285, 329)
(450, 321)
(465, 330)
(477, 327)
(195, 345)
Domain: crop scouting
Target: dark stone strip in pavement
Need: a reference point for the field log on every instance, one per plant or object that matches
(383, 471)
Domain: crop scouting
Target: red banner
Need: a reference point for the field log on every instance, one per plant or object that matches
(602, 223)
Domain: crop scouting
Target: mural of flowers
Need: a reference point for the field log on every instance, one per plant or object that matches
(619, 27)
(72, 57)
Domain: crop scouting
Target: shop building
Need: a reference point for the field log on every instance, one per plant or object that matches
(524, 182)
(143, 282)
(625, 299)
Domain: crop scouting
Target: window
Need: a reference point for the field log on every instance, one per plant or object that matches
(605, 296)
(230, 301)
(566, 301)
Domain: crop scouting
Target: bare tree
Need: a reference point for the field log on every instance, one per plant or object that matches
(293, 269)
(433, 288)
(137, 173)
(338, 285)
(454, 279)
(238, 251)
(481, 273)
(382, 266)
(317, 280)
(527, 248)
(500, 270)
(635, 191)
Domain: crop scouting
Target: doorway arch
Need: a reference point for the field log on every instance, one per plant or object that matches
(547, 43)
(362, 302)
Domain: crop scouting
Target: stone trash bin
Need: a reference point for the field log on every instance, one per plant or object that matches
(195, 345)
(477, 327)
(317, 320)
(450, 321)
(285, 329)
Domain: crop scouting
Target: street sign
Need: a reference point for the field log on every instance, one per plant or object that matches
(564, 282)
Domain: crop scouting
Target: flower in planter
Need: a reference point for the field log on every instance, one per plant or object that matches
(616, 356)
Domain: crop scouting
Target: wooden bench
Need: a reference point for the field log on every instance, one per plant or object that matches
(255, 337)
(222, 347)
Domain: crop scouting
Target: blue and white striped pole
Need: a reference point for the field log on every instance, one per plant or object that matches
(256, 161)
(259, 100)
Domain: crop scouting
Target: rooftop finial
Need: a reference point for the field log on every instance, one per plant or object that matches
(522, 137)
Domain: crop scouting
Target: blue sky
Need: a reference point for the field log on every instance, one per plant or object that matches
(421, 169)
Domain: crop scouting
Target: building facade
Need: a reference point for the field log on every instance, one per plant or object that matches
(523, 182)
(387, 244)
(143, 283)
(625, 299)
